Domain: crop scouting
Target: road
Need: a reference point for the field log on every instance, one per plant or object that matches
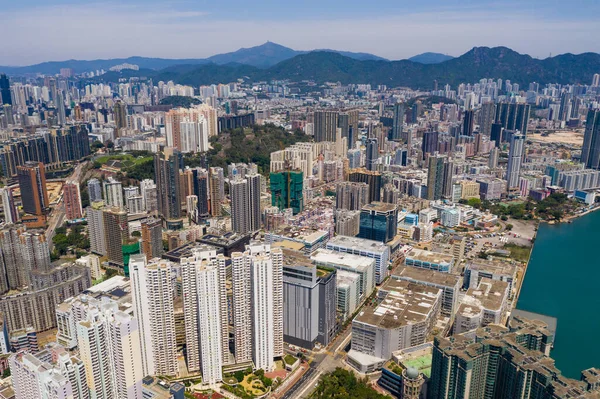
(57, 216)
(323, 362)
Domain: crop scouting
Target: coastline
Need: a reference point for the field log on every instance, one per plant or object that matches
(525, 266)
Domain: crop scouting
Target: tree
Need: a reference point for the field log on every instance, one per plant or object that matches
(474, 202)
(509, 227)
(136, 234)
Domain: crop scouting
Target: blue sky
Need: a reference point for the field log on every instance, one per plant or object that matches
(37, 30)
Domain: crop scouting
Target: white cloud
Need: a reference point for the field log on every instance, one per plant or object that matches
(111, 30)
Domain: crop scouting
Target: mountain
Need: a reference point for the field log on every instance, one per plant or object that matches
(263, 56)
(430, 58)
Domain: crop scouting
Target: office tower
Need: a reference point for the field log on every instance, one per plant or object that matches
(325, 125)
(373, 179)
(435, 177)
(95, 218)
(11, 215)
(378, 221)
(120, 116)
(486, 118)
(166, 171)
(5, 97)
(500, 362)
(116, 233)
(468, 121)
(257, 277)
(113, 193)
(49, 374)
(93, 350)
(216, 188)
(202, 277)
(32, 182)
(351, 196)
(398, 123)
(493, 160)
(430, 143)
(156, 317)
(94, 190)
(515, 158)
(149, 195)
(152, 245)
(496, 133)
(201, 190)
(72, 199)
(287, 190)
(372, 154)
(590, 152)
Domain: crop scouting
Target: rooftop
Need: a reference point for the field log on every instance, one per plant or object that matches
(360, 244)
(426, 275)
(429, 256)
(495, 266)
(383, 207)
(293, 258)
(404, 303)
(329, 256)
(490, 294)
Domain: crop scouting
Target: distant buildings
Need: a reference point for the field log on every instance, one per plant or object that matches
(590, 152)
(515, 159)
(166, 168)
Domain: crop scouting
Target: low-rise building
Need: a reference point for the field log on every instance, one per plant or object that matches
(481, 306)
(368, 248)
(494, 269)
(429, 260)
(363, 266)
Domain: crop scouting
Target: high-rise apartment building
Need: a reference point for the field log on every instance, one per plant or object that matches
(436, 176)
(94, 190)
(166, 169)
(245, 203)
(116, 232)
(120, 116)
(216, 190)
(93, 350)
(156, 317)
(201, 191)
(17, 276)
(188, 129)
(486, 118)
(113, 192)
(11, 215)
(468, 122)
(500, 362)
(32, 182)
(515, 159)
(590, 152)
(513, 116)
(95, 219)
(72, 198)
(351, 196)
(149, 195)
(372, 154)
(325, 125)
(372, 178)
(205, 312)
(257, 284)
(152, 245)
(398, 122)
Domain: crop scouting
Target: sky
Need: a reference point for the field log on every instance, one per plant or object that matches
(34, 31)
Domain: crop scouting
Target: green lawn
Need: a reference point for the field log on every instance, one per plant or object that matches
(518, 252)
(289, 360)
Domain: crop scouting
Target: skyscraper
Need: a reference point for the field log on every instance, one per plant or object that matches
(93, 350)
(373, 179)
(166, 170)
(5, 97)
(8, 206)
(245, 203)
(325, 125)
(113, 193)
(95, 219)
(216, 190)
(372, 154)
(149, 195)
(515, 159)
(430, 143)
(590, 152)
(202, 275)
(32, 182)
(94, 190)
(351, 196)
(257, 277)
(120, 116)
(435, 177)
(398, 123)
(116, 232)
(72, 198)
(468, 121)
(156, 317)
(201, 191)
(152, 245)
(486, 118)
